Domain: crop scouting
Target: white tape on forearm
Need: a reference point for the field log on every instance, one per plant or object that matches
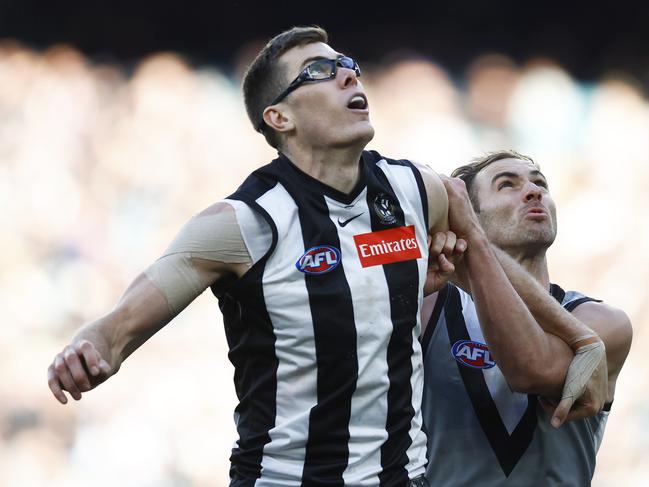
(582, 367)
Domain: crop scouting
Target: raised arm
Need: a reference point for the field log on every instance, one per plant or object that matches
(208, 249)
(540, 347)
(445, 249)
(614, 328)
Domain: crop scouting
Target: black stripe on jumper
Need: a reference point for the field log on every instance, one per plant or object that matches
(255, 377)
(332, 313)
(402, 280)
(442, 295)
(508, 448)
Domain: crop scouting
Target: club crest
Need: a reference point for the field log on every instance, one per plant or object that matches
(384, 206)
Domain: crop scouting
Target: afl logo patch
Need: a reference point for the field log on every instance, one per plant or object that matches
(384, 206)
(472, 354)
(319, 260)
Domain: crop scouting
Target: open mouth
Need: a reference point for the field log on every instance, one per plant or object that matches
(358, 102)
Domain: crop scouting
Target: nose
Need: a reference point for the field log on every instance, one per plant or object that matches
(347, 77)
(533, 191)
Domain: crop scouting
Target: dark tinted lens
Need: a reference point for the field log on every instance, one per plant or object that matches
(349, 63)
(321, 69)
(346, 62)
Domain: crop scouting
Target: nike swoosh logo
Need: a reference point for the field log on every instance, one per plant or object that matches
(345, 222)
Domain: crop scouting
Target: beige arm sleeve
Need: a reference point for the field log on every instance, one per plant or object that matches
(213, 235)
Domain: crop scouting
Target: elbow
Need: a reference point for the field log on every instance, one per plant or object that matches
(522, 382)
(534, 378)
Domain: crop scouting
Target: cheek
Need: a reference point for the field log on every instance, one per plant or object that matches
(318, 98)
(496, 222)
(498, 215)
(313, 110)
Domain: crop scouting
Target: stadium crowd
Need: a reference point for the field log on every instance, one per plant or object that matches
(100, 165)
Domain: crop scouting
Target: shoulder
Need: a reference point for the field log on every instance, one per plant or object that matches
(228, 231)
(436, 194)
(605, 319)
(213, 230)
(430, 177)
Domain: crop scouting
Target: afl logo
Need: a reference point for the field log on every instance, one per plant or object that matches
(384, 206)
(472, 354)
(319, 260)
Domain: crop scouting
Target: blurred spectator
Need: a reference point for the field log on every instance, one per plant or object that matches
(98, 170)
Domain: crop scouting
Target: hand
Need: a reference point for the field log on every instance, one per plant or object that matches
(78, 368)
(461, 216)
(586, 388)
(445, 250)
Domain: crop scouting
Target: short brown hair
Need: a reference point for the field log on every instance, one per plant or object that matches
(468, 172)
(264, 79)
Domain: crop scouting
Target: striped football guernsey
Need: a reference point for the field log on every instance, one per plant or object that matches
(480, 432)
(323, 329)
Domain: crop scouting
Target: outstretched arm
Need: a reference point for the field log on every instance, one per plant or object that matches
(207, 249)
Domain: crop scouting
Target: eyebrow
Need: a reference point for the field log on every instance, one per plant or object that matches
(504, 174)
(309, 60)
(513, 175)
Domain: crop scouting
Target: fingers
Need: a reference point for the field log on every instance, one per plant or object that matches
(445, 250)
(55, 385)
(460, 246)
(445, 266)
(96, 365)
(65, 377)
(569, 410)
(78, 368)
(449, 244)
(561, 412)
(584, 372)
(446, 243)
(547, 405)
(437, 243)
(583, 411)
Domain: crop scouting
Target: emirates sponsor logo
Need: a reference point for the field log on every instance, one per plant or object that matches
(387, 246)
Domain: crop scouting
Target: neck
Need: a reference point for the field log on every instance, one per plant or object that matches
(335, 167)
(533, 262)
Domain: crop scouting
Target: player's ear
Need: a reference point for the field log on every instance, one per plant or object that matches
(279, 118)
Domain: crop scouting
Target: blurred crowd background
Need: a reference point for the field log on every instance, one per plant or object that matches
(101, 163)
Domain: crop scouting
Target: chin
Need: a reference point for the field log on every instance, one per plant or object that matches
(368, 132)
(362, 134)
